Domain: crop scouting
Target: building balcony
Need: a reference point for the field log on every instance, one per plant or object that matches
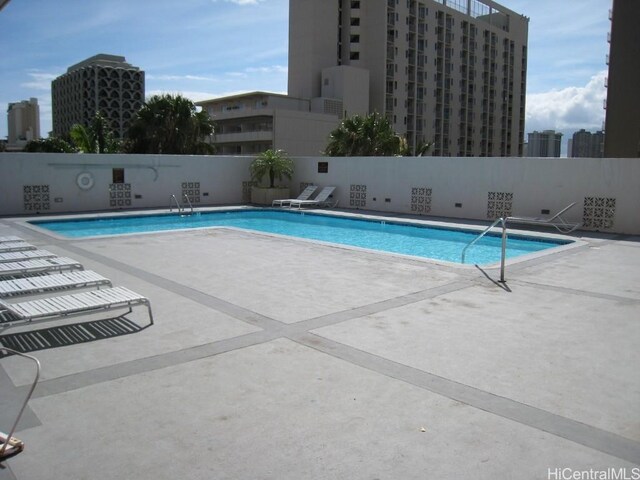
(240, 137)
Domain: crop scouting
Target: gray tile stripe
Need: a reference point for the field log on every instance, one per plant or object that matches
(573, 291)
(396, 302)
(572, 430)
(134, 367)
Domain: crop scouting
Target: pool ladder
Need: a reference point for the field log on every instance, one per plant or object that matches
(503, 221)
(181, 210)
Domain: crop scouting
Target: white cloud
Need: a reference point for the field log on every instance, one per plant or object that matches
(39, 80)
(568, 108)
(270, 69)
(242, 2)
(178, 77)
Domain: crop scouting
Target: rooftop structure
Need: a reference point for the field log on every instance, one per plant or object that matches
(102, 83)
(452, 72)
(622, 122)
(23, 119)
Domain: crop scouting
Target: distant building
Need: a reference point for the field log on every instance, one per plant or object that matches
(452, 72)
(104, 83)
(23, 120)
(622, 119)
(251, 123)
(544, 144)
(586, 144)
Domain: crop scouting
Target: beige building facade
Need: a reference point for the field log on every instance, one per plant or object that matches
(250, 123)
(23, 119)
(104, 83)
(452, 72)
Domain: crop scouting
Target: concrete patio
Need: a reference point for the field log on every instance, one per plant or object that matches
(276, 358)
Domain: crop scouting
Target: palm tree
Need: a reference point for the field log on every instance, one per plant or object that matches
(273, 163)
(367, 136)
(96, 138)
(170, 124)
(49, 145)
(423, 148)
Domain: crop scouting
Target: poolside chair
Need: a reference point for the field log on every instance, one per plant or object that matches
(82, 303)
(555, 221)
(304, 195)
(321, 200)
(56, 281)
(10, 238)
(25, 255)
(16, 247)
(44, 265)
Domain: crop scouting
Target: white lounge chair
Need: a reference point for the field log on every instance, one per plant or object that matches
(555, 221)
(16, 247)
(25, 255)
(82, 303)
(321, 200)
(56, 281)
(304, 195)
(29, 267)
(10, 238)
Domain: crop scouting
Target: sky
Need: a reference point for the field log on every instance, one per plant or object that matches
(205, 49)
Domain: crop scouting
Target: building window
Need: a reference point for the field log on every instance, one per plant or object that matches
(354, 56)
(118, 175)
(355, 21)
(323, 167)
(355, 3)
(355, 38)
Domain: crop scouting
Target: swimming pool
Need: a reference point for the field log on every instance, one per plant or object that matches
(395, 237)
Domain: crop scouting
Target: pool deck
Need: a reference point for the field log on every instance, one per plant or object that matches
(277, 358)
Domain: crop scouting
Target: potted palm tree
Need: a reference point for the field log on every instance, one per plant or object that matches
(273, 164)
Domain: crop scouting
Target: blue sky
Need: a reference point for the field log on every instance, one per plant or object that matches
(209, 48)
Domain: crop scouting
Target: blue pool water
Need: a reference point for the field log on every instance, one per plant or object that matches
(435, 243)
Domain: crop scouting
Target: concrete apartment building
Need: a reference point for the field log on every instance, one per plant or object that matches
(586, 144)
(23, 120)
(448, 71)
(105, 83)
(544, 144)
(622, 119)
(253, 122)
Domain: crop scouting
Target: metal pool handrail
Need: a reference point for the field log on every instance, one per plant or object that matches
(504, 243)
(33, 386)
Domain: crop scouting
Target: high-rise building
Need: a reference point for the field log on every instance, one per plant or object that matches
(452, 72)
(622, 120)
(102, 83)
(586, 144)
(544, 144)
(23, 120)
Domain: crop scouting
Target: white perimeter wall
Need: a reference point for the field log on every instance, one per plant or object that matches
(527, 185)
(152, 179)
